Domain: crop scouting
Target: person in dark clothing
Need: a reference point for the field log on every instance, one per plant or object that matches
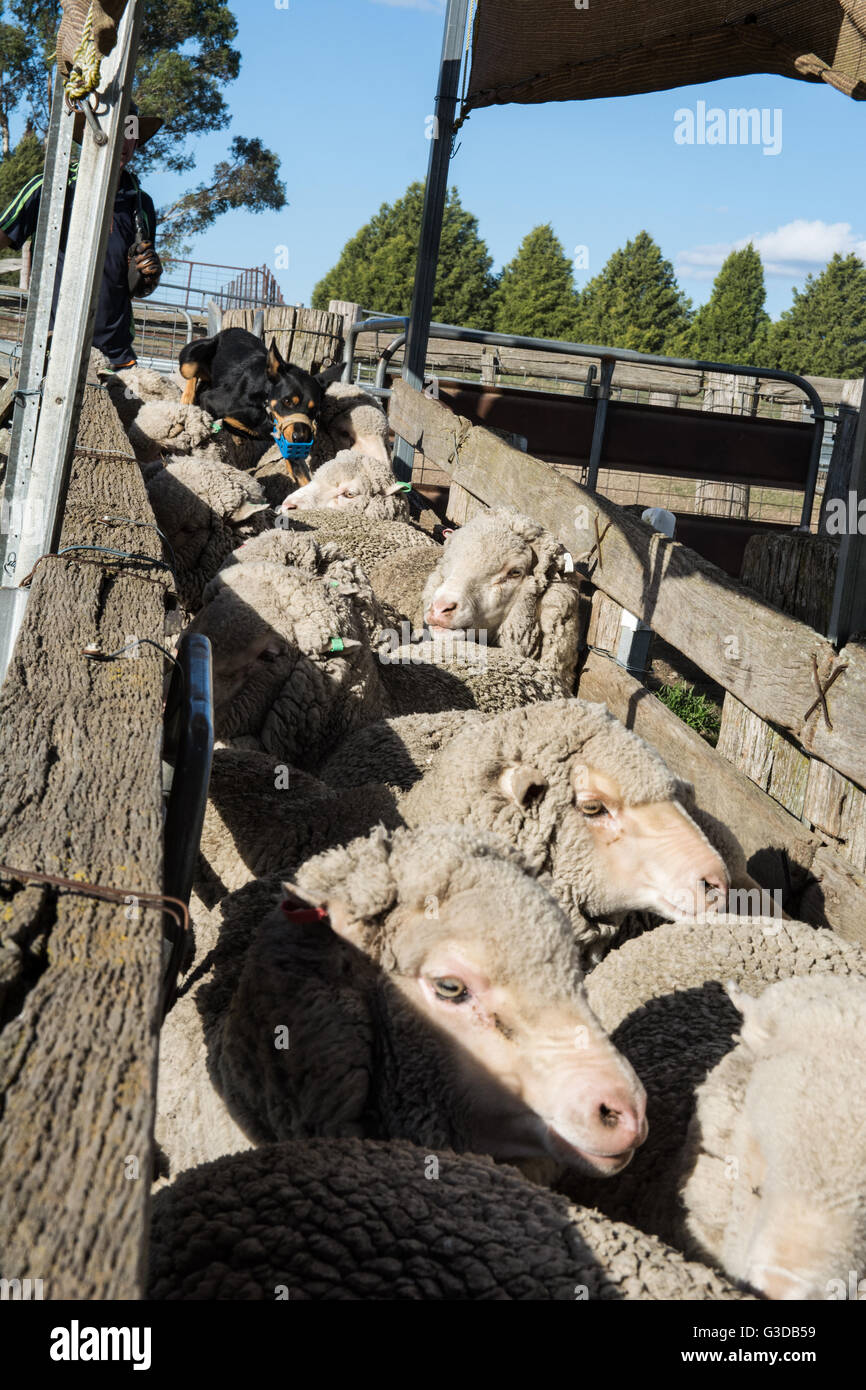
(131, 268)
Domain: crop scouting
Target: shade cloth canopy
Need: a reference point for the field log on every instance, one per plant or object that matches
(551, 50)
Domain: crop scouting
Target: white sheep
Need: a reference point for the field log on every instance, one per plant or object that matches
(757, 1150)
(352, 482)
(204, 510)
(361, 1219)
(366, 539)
(501, 574)
(295, 668)
(583, 798)
(398, 993)
(264, 817)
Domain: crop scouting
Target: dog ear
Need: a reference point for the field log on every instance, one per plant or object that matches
(275, 362)
(330, 374)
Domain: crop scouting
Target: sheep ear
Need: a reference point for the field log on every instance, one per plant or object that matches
(248, 509)
(755, 1031)
(274, 360)
(521, 784)
(338, 916)
(332, 373)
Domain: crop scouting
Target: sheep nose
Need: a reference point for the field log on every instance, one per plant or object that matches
(622, 1121)
(443, 606)
(714, 887)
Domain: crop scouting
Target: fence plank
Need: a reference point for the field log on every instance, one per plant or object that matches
(81, 770)
(776, 845)
(762, 656)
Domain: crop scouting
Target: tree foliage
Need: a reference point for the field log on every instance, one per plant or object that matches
(377, 266)
(635, 302)
(731, 326)
(824, 331)
(535, 296)
(185, 59)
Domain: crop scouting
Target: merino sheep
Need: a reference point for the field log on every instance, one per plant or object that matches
(349, 420)
(502, 574)
(263, 817)
(757, 1150)
(204, 510)
(367, 539)
(581, 796)
(360, 1219)
(295, 667)
(407, 999)
(353, 482)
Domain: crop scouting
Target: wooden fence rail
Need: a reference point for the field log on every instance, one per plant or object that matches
(772, 663)
(80, 753)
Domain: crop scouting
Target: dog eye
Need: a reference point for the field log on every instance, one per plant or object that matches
(452, 989)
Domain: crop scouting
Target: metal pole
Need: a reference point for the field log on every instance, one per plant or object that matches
(600, 423)
(18, 496)
(434, 207)
(41, 488)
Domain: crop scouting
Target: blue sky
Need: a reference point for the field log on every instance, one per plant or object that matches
(340, 89)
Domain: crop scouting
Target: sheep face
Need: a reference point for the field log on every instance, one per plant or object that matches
(344, 484)
(476, 585)
(528, 1064)
(782, 1113)
(583, 798)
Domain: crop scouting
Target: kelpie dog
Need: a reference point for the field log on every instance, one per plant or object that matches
(255, 393)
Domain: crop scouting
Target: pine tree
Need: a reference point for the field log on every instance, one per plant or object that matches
(535, 296)
(729, 327)
(824, 331)
(377, 266)
(635, 302)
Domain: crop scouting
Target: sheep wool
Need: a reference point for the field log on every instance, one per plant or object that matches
(366, 539)
(356, 483)
(662, 1000)
(360, 1219)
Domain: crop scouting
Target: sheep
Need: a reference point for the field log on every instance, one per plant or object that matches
(353, 482)
(501, 574)
(397, 993)
(263, 816)
(360, 1219)
(582, 797)
(367, 539)
(295, 667)
(757, 1152)
(132, 387)
(203, 509)
(350, 418)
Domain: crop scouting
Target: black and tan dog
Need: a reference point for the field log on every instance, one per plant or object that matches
(252, 390)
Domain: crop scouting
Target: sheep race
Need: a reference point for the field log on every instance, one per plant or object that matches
(445, 869)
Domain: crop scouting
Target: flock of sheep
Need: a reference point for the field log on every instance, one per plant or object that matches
(459, 1025)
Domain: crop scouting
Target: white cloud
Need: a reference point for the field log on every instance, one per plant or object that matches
(790, 251)
(436, 6)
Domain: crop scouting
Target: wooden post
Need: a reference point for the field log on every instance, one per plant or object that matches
(347, 311)
(26, 262)
(721, 499)
(841, 462)
(849, 600)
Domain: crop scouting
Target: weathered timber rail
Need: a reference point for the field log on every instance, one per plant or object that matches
(761, 655)
(756, 652)
(80, 750)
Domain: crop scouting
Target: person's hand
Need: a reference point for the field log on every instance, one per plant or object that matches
(148, 262)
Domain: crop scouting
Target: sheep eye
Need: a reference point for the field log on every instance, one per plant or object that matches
(592, 808)
(452, 989)
(514, 574)
(268, 655)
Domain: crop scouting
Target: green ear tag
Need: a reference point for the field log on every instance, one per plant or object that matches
(334, 583)
(336, 644)
(217, 425)
(405, 487)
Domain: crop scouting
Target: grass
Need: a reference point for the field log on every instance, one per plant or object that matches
(699, 712)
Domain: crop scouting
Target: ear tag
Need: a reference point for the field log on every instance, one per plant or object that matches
(568, 563)
(336, 645)
(216, 426)
(405, 487)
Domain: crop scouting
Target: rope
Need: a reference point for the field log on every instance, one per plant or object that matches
(84, 69)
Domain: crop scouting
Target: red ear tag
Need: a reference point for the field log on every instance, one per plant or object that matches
(302, 916)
